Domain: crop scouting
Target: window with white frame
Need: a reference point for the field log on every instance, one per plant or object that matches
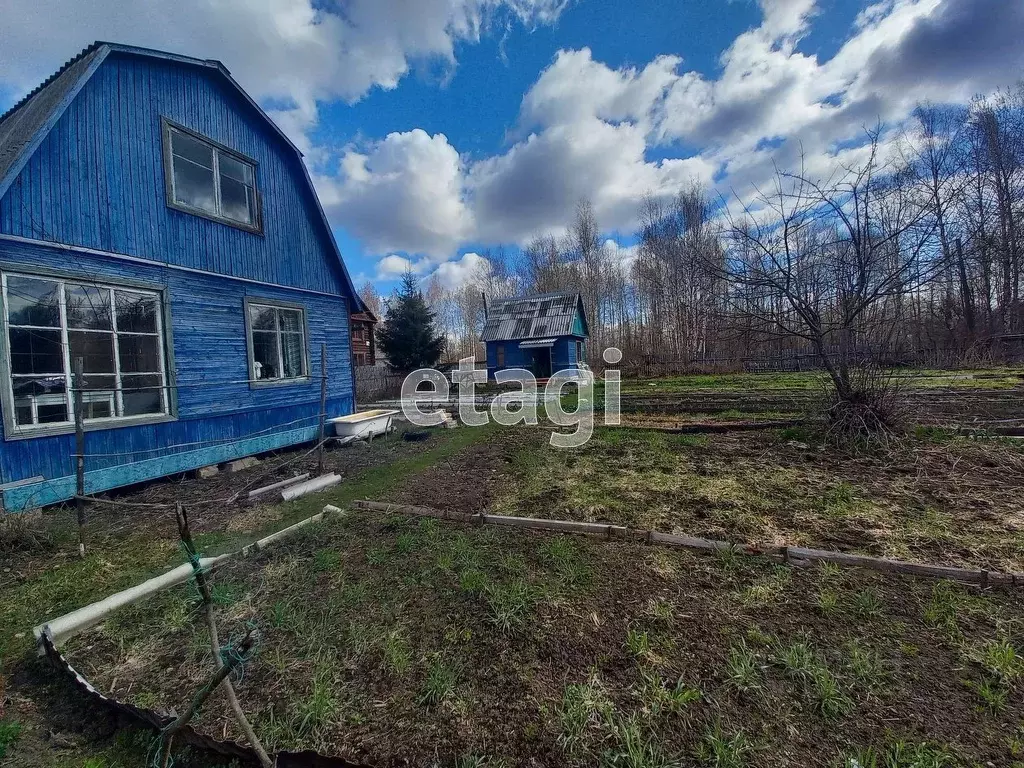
(277, 342)
(208, 179)
(117, 332)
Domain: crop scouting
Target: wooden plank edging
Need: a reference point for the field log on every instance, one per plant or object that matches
(788, 554)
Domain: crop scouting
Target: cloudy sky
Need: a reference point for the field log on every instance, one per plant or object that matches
(437, 128)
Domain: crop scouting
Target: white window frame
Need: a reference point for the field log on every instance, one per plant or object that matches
(169, 128)
(115, 398)
(255, 301)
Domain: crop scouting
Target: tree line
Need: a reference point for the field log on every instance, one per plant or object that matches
(907, 249)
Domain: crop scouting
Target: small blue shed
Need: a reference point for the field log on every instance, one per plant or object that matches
(543, 333)
(156, 224)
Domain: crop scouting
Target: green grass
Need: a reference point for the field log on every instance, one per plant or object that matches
(995, 378)
(10, 730)
(634, 747)
(396, 652)
(900, 754)
(510, 604)
(118, 564)
(440, 682)
(1000, 659)
(321, 704)
(584, 710)
(326, 560)
(637, 643)
(657, 698)
(742, 670)
(724, 750)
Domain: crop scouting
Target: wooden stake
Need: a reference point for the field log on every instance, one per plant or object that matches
(77, 382)
(211, 625)
(323, 406)
(218, 677)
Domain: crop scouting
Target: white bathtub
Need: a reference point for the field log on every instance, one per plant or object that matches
(364, 424)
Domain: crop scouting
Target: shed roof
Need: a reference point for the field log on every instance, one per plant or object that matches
(537, 316)
(24, 126)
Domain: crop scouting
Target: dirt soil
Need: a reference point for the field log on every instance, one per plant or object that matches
(396, 642)
(216, 504)
(956, 502)
(41, 575)
(469, 481)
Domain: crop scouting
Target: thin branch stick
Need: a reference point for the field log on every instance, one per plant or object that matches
(211, 625)
(219, 676)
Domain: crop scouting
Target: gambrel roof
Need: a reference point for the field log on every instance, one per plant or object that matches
(24, 126)
(534, 317)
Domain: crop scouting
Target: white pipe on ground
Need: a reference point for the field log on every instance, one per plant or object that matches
(71, 624)
(282, 484)
(309, 486)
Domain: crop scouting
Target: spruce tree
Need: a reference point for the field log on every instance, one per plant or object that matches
(408, 337)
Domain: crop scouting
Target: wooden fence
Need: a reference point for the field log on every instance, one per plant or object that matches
(377, 382)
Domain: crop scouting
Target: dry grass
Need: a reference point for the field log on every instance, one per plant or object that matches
(956, 501)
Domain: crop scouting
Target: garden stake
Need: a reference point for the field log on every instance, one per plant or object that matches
(233, 660)
(211, 625)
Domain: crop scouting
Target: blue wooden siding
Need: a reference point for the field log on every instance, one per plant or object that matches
(97, 180)
(209, 351)
(563, 355)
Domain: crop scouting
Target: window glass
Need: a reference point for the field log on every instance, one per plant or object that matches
(138, 354)
(263, 318)
(142, 395)
(31, 301)
(192, 149)
(193, 186)
(87, 306)
(212, 180)
(95, 349)
(235, 169)
(265, 355)
(278, 342)
(136, 312)
(36, 351)
(40, 400)
(51, 323)
(291, 320)
(291, 345)
(234, 201)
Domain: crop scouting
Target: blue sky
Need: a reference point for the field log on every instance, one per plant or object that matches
(436, 129)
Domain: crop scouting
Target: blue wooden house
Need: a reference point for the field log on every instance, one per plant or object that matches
(543, 333)
(157, 225)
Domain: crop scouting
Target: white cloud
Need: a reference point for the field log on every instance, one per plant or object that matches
(296, 52)
(404, 193)
(468, 268)
(393, 266)
(621, 255)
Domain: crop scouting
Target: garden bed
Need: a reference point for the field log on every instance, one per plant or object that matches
(951, 501)
(397, 641)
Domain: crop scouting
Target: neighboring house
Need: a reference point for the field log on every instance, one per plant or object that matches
(364, 346)
(543, 333)
(157, 225)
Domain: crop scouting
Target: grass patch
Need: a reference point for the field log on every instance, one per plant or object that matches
(509, 603)
(900, 754)
(10, 730)
(638, 643)
(657, 698)
(325, 560)
(742, 669)
(719, 749)
(439, 683)
(584, 710)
